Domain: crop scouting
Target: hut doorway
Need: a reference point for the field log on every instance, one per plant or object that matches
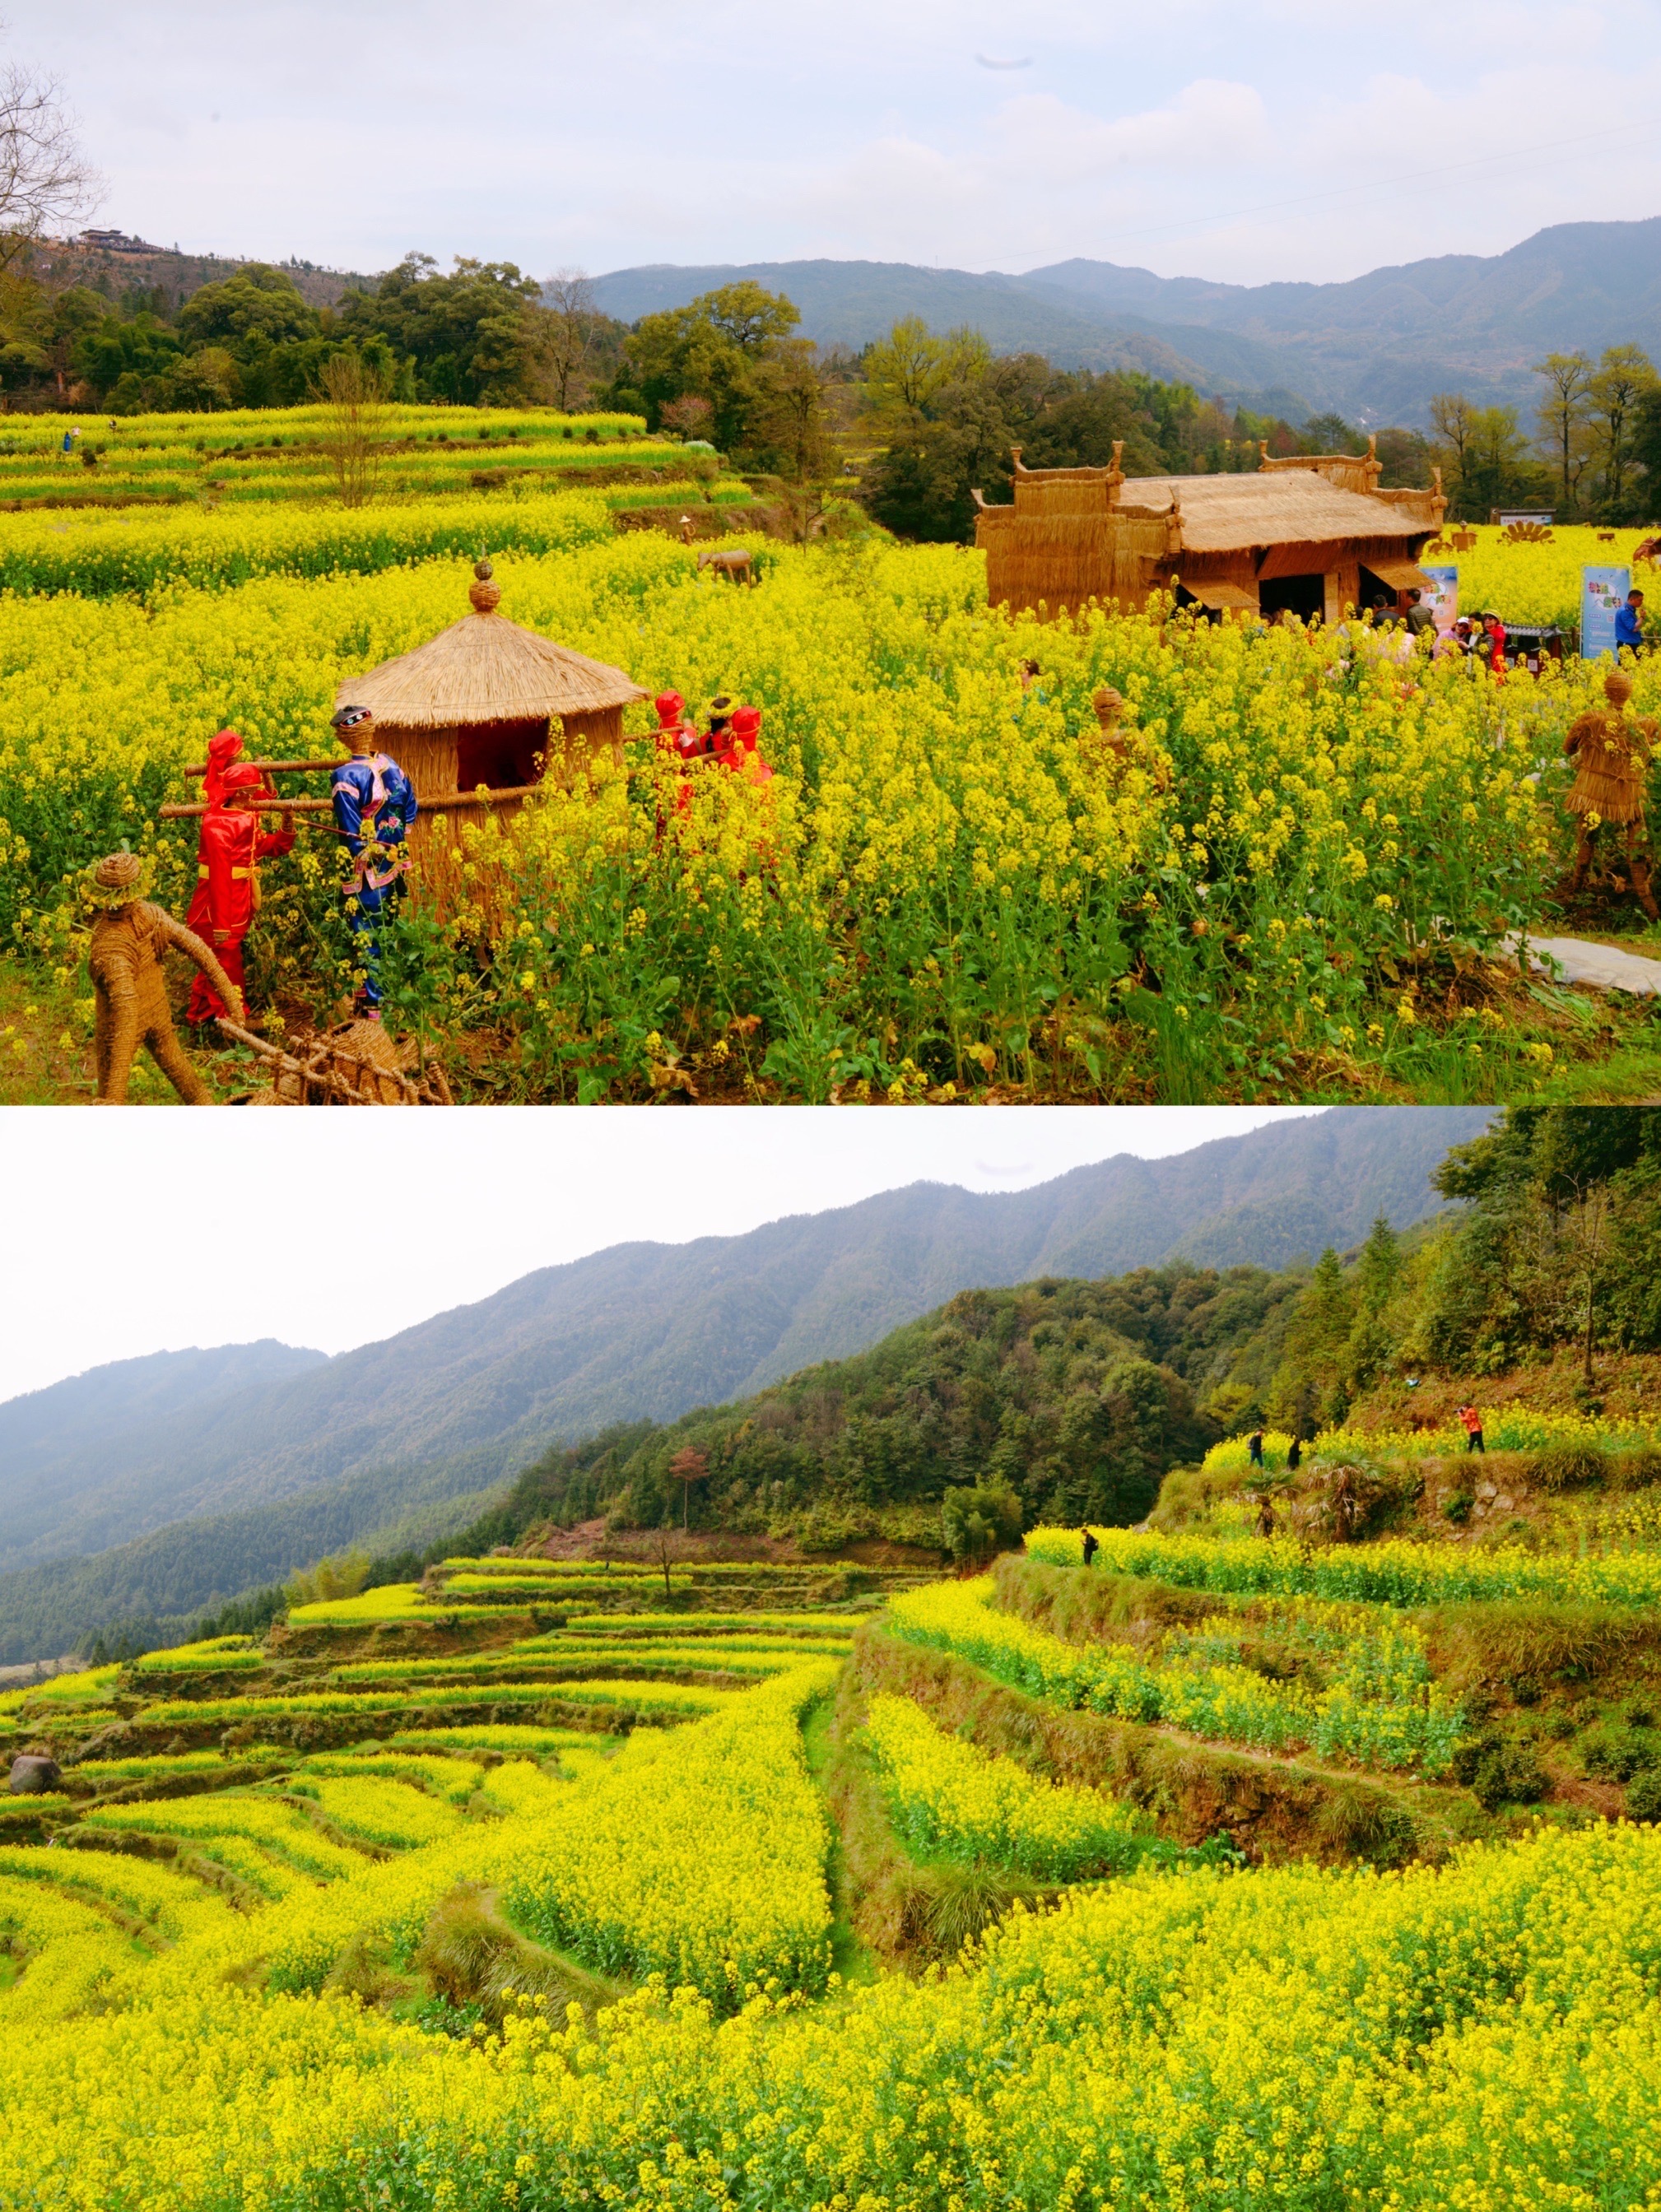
(1305, 596)
(502, 756)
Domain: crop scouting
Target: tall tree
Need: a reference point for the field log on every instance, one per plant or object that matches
(714, 348)
(1563, 414)
(45, 181)
(1624, 374)
(569, 296)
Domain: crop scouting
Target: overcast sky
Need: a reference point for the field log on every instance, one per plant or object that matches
(1237, 139)
(151, 1231)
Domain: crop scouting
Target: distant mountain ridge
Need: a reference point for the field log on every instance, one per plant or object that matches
(1374, 347)
(189, 1506)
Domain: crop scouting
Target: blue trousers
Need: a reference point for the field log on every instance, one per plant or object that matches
(365, 909)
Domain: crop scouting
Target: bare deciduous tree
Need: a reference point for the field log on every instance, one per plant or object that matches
(569, 296)
(45, 179)
(354, 393)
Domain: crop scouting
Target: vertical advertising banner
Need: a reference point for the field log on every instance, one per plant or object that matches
(1603, 592)
(1443, 598)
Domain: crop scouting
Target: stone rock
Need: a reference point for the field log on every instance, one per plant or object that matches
(1487, 1490)
(1502, 1504)
(32, 1775)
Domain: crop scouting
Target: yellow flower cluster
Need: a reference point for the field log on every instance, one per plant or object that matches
(947, 881)
(1507, 1428)
(277, 1831)
(1481, 2036)
(380, 1810)
(1539, 584)
(1379, 1706)
(948, 1799)
(1396, 1570)
(609, 1880)
(453, 1780)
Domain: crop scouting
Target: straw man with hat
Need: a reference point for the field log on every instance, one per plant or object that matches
(228, 852)
(1126, 748)
(1612, 750)
(374, 804)
(130, 989)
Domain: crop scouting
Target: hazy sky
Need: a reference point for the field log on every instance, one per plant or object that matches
(151, 1231)
(1238, 139)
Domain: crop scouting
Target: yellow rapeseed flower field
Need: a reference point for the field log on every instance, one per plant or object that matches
(948, 883)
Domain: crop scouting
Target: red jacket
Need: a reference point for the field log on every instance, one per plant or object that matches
(222, 909)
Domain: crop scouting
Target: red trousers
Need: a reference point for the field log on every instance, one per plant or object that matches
(205, 1001)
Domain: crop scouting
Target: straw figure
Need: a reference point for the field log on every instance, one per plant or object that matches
(229, 847)
(374, 804)
(1120, 748)
(1612, 750)
(130, 989)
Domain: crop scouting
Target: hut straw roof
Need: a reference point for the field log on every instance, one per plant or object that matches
(1228, 513)
(486, 669)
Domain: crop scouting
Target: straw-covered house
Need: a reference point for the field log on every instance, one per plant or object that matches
(1313, 533)
(477, 715)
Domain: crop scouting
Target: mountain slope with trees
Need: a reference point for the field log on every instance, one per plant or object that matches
(461, 1402)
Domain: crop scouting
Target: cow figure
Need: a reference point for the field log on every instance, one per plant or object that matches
(734, 563)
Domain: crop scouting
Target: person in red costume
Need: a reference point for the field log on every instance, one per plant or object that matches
(746, 738)
(676, 735)
(226, 882)
(223, 747)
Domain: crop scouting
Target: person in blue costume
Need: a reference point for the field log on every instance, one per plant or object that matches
(374, 804)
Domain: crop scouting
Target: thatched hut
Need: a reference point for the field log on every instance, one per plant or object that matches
(1312, 532)
(481, 713)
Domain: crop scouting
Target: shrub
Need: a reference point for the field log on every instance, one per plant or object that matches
(975, 1522)
(1644, 1796)
(1639, 1470)
(1567, 1467)
(1613, 1754)
(1456, 1506)
(1501, 1770)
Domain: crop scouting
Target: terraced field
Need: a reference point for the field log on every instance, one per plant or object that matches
(541, 1884)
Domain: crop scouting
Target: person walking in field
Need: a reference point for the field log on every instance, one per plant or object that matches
(227, 854)
(1419, 616)
(1473, 1425)
(1294, 1456)
(1629, 624)
(1091, 1546)
(1255, 1448)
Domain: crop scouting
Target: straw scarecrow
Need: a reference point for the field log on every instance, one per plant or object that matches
(1612, 750)
(228, 849)
(374, 804)
(1121, 748)
(129, 991)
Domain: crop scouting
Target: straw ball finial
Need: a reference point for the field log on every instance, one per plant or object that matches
(484, 593)
(1109, 705)
(1617, 687)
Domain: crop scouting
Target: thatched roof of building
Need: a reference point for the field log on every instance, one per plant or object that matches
(1229, 514)
(486, 669)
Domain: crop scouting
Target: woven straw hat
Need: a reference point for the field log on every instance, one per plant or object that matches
(1106, 700)
(1617, 686)
(116, 880)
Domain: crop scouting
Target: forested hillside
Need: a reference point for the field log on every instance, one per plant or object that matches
(1074, 1398)
(182, 1509)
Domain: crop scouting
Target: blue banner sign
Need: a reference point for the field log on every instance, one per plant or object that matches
(1602, 592)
